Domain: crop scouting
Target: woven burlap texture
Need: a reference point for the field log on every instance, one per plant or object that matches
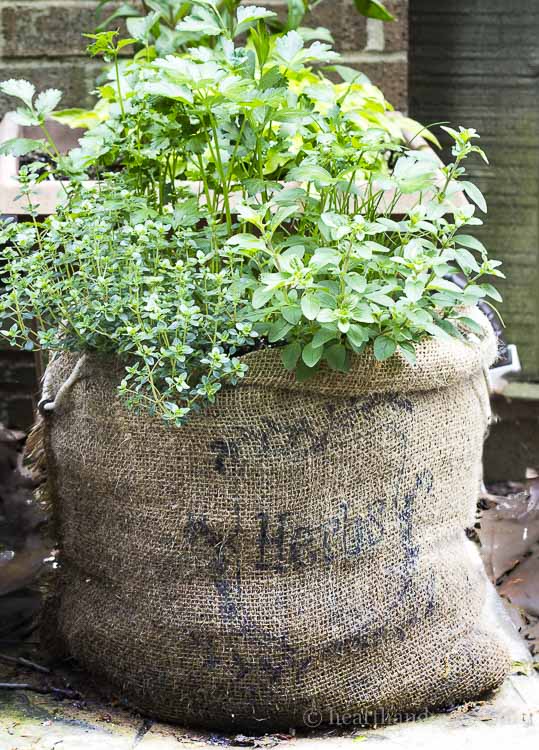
(295, 548)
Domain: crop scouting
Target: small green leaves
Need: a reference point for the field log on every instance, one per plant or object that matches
(384, 348)
(250, 205)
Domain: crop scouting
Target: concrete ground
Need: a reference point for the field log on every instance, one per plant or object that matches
(510, 718)
(29, 721)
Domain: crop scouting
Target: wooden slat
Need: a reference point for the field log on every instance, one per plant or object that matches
(476, 63)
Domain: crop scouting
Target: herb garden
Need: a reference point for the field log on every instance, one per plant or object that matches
(265, 402)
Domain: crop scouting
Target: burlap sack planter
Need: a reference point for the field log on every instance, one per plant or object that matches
(297, 548)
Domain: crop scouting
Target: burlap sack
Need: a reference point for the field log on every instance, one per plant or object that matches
(296, 551)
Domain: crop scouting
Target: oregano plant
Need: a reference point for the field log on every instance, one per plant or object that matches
(250, 193)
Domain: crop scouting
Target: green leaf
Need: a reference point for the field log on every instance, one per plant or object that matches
(466, 240)
(491, 291)
(448, 327)
(76, 117)
(247, 16)
(474, 194)
(20, 89)
(278, 330)
(326, 315)
(291, 313)
(470, 323)
(290, 355)
(444, 285)
(336, 357)
(304, 373)
(408, 350)
(261, 297)
(357, 335)
(20, 146)
(414, 288)
(325, 256)
(384, 347)
(311, 355)
(323, 335)
(288, 46)
(356, 282)
(466, 260)
(169, 90)
(310, 306)
(310, 173)
(373, 9)
(47, 101)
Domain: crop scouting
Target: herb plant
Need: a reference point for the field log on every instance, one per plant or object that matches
(252, 205)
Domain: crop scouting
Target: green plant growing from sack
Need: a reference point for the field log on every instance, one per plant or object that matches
(253, 207)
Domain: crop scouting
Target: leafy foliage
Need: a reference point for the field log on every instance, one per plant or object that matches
(254, 203)
(159, 25)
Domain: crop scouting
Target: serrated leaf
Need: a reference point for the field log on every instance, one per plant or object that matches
(47, 101)
(169, 90)
(384, 348)
(247, 16)
(20, 146)
(20, 89)
(288, 46)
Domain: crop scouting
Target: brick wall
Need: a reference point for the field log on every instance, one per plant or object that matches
(41, 40)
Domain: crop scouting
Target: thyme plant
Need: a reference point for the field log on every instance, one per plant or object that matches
(252, 205)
